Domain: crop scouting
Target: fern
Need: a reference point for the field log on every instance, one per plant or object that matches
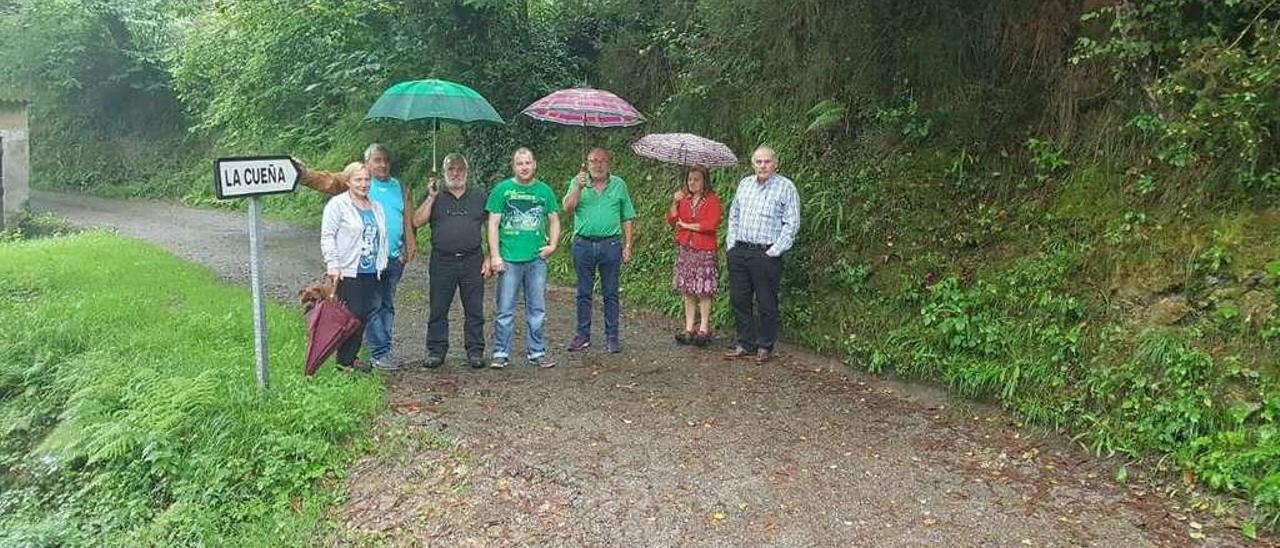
(825, 114)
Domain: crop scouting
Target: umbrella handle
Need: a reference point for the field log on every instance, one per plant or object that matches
(334, 293)
(435, 127)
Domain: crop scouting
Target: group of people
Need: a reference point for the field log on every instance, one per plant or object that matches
(368, 230)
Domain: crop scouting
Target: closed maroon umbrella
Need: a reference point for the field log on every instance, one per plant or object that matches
(685, 149)
(329, 324)
(584, 107)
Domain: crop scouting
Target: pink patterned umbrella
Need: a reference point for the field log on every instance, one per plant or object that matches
(685, 149)
(584, 107)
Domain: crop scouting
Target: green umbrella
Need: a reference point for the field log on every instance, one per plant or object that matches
(435, 100)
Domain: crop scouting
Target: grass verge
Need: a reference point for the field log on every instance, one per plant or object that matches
(129, 413)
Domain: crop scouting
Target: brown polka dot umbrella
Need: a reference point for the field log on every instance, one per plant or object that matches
(685, 149)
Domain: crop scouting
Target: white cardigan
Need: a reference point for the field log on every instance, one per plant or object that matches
(340, 233)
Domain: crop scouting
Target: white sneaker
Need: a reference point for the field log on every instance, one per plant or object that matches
(386, 363)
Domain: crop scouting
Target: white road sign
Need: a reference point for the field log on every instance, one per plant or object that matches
(250, 177)
(241, 177)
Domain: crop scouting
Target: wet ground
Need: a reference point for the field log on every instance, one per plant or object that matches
(671, 446)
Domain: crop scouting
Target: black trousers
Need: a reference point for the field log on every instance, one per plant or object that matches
(449, 273)
(358, 293)
(753, 283)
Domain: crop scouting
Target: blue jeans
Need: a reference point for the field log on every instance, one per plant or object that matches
(588, 257)
(383, 318)
(531, 277)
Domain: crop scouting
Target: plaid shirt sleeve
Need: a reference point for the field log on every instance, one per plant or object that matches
(790, 221)
(731, 231)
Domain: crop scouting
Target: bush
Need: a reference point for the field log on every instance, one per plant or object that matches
(28, 226)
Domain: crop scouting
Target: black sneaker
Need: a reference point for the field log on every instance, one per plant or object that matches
(615, 347)
(684, 337)
(475, 361)
(497, 363)
(434, 362)
(543, 362)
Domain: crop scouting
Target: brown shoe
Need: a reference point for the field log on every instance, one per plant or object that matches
(763, 355)
(737, 352)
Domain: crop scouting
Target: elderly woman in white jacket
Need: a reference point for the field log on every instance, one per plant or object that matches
(353, 239)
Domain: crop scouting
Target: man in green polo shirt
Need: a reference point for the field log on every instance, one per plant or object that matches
(602, 226)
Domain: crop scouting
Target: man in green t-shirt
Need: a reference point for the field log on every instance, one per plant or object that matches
(602, 220)
(524, 226)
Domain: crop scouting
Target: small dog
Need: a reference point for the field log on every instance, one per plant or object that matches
(314, 293)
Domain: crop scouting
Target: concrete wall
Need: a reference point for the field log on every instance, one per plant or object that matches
(17, 170)
(13, 115)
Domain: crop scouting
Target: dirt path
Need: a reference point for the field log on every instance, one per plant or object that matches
(663, 446)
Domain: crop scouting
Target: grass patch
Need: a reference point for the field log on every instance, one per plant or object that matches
(129, 413)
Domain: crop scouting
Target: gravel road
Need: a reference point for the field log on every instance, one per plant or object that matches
(666, 446)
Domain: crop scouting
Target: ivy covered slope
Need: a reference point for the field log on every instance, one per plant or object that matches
(129, 415)
(1064, 206)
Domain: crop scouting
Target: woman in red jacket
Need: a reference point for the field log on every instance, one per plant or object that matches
(695, 214)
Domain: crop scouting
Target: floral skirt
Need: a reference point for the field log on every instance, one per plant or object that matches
(696, 272)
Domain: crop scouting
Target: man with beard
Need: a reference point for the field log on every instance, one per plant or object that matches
(458, 262)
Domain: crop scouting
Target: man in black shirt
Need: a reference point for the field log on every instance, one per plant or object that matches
(458, 262)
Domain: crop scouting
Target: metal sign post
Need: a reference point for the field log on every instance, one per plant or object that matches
(250, 178)
(1, 183)
(255, 276)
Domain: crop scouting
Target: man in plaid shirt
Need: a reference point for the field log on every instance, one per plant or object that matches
(763, 221)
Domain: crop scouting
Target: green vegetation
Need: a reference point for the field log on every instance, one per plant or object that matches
(30, 226)
(1060, 206)
(130, 414)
